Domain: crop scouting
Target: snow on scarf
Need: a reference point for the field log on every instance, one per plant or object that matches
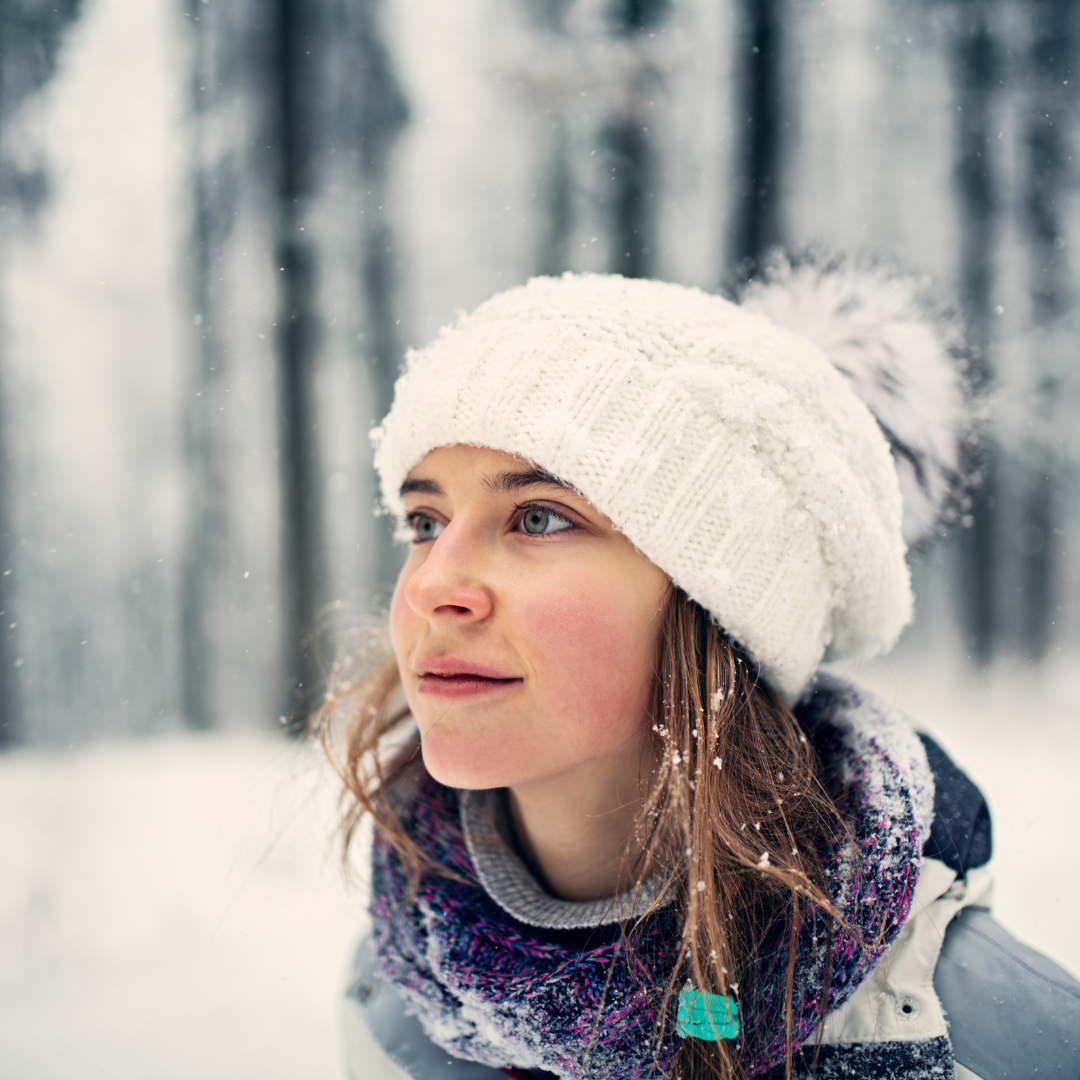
(492, 989)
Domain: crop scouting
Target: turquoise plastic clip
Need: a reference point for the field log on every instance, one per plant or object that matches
(706, 1016)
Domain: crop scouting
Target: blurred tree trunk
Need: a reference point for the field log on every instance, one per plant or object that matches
(31, 33)
(977, 74)
(11, 712)
(756, 207)
(555, 184)
(1048, 135)
(218, 33)
(381, 113)
(294, 70)
(557, 206)
(631, 152)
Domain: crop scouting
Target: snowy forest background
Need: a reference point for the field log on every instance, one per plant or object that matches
(222, 222)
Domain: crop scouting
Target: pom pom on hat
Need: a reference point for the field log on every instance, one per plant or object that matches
(902, 355)
(730, 451)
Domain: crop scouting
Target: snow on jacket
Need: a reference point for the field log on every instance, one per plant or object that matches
(491, 973)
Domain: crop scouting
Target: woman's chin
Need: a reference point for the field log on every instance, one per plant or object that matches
(465, 765)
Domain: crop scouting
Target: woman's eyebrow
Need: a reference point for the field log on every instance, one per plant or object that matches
(507, 482)
(420, 487)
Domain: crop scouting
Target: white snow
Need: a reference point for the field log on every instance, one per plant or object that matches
(172, 908)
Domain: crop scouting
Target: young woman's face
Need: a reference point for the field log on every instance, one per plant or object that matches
(525, 626)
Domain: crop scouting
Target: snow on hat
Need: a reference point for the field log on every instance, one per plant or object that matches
(729, 450)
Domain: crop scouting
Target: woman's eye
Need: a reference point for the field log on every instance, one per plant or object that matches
(539, 521)
(425, 527)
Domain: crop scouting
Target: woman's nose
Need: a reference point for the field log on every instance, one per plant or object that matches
(449, 583)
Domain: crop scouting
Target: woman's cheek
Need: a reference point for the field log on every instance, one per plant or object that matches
(592, 661)
(405, 626)
(401, 618)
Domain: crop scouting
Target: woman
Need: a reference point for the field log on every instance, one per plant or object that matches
(626, 830)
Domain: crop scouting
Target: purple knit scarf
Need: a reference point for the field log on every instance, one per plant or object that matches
(495, 990)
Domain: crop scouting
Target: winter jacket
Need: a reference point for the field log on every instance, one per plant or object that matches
(490, 974)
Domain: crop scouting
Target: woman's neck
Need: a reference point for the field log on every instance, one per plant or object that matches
(575, 829)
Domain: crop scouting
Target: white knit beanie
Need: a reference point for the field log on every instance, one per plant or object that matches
(729, 450)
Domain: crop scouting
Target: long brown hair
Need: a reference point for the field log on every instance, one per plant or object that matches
(737, 810)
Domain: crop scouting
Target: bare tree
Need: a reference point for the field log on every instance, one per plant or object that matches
(217, 79)
(31, 32)
(555, 183)
(293, 72)
(755, 216)
(1049, 125)
(379, 114)
(632, 155)
(977, 67)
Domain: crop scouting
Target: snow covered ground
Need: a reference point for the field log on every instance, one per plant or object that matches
(172, 908)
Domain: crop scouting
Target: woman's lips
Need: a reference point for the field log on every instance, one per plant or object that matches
(461, 684)
(448, 679)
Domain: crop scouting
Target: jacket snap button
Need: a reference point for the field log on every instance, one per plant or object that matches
(908, 1008)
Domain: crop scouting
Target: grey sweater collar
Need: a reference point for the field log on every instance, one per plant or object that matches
(485, 821)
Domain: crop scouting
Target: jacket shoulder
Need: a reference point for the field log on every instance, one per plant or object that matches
(961, 835)
(1011, 1011)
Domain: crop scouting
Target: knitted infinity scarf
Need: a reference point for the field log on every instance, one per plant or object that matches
(491, 988)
